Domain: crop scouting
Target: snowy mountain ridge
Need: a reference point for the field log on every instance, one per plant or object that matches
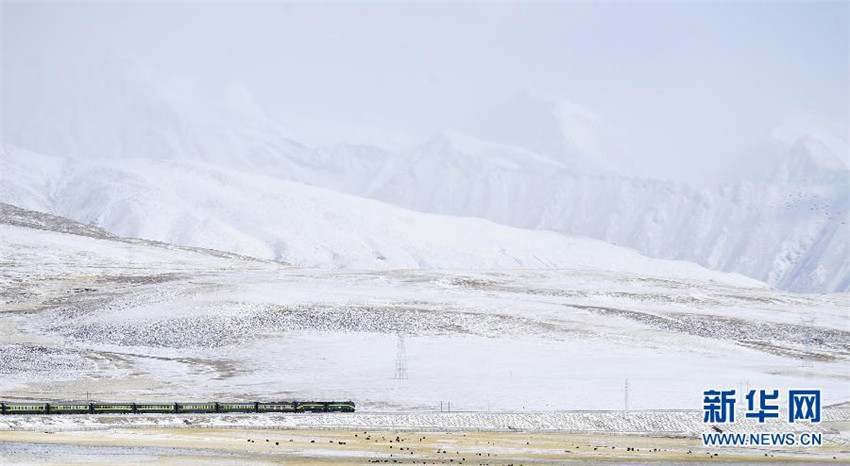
(532, 163)
(791, 232)
(193, 204)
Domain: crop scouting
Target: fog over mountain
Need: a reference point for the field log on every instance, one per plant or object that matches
(542, 167)
(107, 126)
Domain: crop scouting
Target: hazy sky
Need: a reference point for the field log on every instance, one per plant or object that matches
(682, 88)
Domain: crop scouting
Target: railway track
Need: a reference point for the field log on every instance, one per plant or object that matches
(77, 407)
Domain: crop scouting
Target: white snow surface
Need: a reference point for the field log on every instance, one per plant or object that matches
(789, 226)
(534, 162)
(195, 204)
(643, 422)
(145, 321)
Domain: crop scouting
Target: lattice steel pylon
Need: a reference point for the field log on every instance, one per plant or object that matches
(400, 359)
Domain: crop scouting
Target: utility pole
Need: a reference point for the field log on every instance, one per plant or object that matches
(400, 359)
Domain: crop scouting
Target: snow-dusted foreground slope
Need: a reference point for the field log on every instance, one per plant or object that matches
(119, 320)
(198, 205)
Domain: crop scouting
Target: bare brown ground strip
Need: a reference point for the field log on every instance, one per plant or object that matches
(320, 447)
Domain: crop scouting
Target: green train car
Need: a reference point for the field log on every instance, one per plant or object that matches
(154, 407)
(237, 407)
(112, 408)
(176, 408)
(324, 407)
(69, 408)
(24, 408)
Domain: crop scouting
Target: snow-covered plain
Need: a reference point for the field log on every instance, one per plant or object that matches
(670, 422)
(118, 319)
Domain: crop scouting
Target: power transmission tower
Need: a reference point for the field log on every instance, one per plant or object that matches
(400, 359)
(626, 396)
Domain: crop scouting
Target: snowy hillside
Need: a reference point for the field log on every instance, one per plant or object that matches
(787, 222)
(91, 313)
(533, 162)
(41, 253)
(794, 236)
(194, 204)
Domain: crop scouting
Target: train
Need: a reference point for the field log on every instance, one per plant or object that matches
(76, 407)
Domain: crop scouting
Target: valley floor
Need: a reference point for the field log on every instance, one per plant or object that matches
(546, 357)
(538, 341)
(320, 447)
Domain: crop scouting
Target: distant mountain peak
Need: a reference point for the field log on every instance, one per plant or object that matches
(548, 126)
(451, 144)
(804, 150)
(124, 110)
(816, 138)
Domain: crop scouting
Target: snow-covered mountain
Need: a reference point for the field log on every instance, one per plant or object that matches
(533, 163)
(121, 110)
(550, 127)
(789, 229)
(124, 110)
(195, 204)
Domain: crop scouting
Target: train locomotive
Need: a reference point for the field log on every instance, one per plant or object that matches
(177, 408)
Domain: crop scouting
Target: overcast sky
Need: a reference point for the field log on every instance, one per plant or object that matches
(681, 88)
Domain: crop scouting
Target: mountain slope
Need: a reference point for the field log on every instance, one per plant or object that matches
(45, 257)
(91, 313)
(550, 127)
(792, 229)
(533, 163)
(199, 205)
